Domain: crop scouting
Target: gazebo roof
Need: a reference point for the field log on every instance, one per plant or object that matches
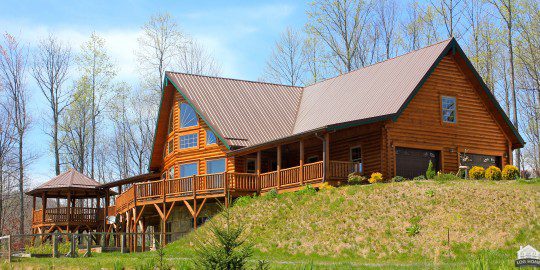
(72, 181)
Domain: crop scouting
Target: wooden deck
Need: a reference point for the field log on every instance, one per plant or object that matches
(235, 184)
(62, 216)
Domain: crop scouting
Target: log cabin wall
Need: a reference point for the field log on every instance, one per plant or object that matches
(367, 137)
(421, 126)
(199, 154)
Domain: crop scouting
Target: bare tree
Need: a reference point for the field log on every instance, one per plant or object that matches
(342, 26)
(506, 11)
(193, 58)
(160, 42)
(450, 12)
(96, 65)
(13, 60)
(50, 69)
(286, 63)
(7, 156)
(315, 62)
(387, 20)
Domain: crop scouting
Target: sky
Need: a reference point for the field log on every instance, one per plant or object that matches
(240, 35)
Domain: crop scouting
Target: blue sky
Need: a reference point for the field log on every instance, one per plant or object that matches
(240, 34)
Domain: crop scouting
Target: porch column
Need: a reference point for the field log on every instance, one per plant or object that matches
(258, 171)
(326, 156)
(278, 176)
(43, 206)
(301, 173)
(105, 211)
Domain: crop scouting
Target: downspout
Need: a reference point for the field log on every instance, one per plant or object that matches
(325, 162)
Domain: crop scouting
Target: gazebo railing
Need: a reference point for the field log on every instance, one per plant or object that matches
(67, 214)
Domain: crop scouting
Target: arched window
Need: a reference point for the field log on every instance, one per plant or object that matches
(188, 117)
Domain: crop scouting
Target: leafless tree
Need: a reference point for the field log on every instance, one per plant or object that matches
(387, 21)
(506, 9)
(7, 156)
(13, 61)
(315, 60)
(50, 69)
(450, 12)
(286, 62)
(193, 58)
(342, 26)
(159, 44)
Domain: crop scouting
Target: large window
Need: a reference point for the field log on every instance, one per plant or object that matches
(188, 141)
(215, 166)
(171, 173)
(448, 109)
(188, 117)
(356, 156)
(188, 169)
(210, 137)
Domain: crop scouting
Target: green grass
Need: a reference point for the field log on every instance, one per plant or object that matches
(381, 226)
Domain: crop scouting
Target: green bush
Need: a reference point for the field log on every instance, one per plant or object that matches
(399, 179)
(476, 173)
(510, 172)
(493, 173)
(272, 194)
(419, 178)
(356, 178)
(306, 190)
(443, 177)
(430, 173)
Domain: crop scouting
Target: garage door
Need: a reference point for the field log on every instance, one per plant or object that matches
(414, 162)
(480, 160)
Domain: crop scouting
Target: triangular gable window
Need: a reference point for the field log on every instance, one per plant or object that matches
(188, 117)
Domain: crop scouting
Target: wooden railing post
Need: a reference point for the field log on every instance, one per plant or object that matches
(134, 188)
(163, 189)
(258, 166)
(194, 186)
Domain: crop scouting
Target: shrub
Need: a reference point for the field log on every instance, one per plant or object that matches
(375, 177)
(305, 190)
(493, 173)
(399, 179)
(510, 172)
(430, 173)
(272, 194)
(356, 178)
(419, 178)
(476, 173)
(443, 177)
(325, 186)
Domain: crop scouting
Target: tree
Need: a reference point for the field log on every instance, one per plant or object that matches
(99, 70)
(50, 69)
(286, 63)
(160, 42)
(386, 21)
(193, 58)
(342, 25)
(506, 10)
(7, 156)
(13, 60)
(450, 12)
(315, 62)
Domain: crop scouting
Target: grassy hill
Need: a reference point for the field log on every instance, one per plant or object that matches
(406, 221)
(390, 225)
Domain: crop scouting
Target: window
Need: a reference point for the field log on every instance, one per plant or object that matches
(356, 156)
(171, 173)
(448, 109)
(188, 169)
(210, 137)
(188, 117)
(170, 147)
(215, 166)
(312, 159)
(251, 165)
(188, 141)
(171, 122)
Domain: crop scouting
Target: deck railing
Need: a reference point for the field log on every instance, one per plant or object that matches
(67, 214)
(220, 183)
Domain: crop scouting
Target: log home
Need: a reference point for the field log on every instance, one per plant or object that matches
(220, 138)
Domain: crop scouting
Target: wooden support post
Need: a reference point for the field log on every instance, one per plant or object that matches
(55, 245)
(43, 206)
(227, 183)
(258, 167)
(123, 242)
(88, 252)
(301, 172)
(278, 176)
(326, 157)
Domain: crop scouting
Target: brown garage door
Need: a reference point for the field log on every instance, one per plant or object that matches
(480, 160)
(414, 162)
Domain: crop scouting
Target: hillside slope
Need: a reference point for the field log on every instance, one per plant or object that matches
(410, 219)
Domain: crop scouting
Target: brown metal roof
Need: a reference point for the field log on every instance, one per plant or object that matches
(377, 90)
(73, 181)
(243, 112)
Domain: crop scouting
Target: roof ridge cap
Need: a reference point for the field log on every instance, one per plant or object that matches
(233, 79)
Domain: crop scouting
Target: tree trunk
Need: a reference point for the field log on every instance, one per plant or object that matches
(21, 184)
(56, 146)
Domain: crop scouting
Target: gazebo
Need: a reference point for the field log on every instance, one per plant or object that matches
(77, 208)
